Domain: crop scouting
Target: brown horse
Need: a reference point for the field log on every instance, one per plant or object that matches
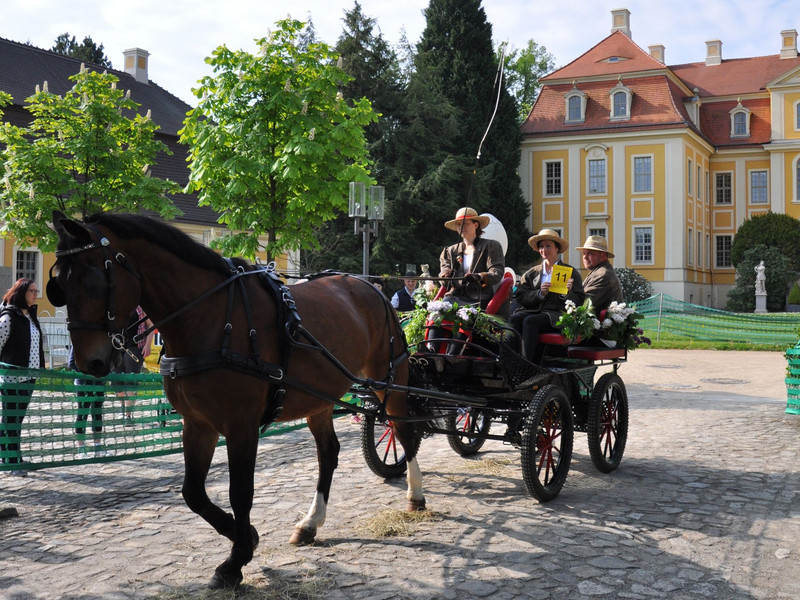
(200, 302)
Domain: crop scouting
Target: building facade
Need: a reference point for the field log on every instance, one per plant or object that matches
(664, 161)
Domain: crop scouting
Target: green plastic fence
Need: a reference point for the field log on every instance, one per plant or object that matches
(50, 434)
(793, 380)
(662, 313)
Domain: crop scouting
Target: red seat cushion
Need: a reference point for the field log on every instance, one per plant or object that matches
(554, 339)
(588, 353)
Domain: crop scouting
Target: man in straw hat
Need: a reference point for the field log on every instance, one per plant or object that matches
(601, 284)
(478, 262)
(539, 308)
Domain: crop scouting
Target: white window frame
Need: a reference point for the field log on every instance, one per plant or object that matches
(699, 249)
(745, 112)
(699, 182)
(546, 179)
(717, 239)
(633, 174)
(751, 199)
(690, 248)
(796, 179)
(717, 188)
(575, 93)
(620, 89)
(589, 176)
(646, 247)
(601, 231)
(797, 115)
(689, 171)
(39, 264)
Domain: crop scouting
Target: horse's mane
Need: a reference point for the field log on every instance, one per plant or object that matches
(170, 238)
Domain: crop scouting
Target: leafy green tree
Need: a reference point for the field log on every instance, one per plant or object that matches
(773, 230)
(779, 273)
(85, 152)
(273, 144)
(525, 68)
(87, 51)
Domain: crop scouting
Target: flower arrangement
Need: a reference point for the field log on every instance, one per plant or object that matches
(578, 322)
(622, 326)
(434, 312)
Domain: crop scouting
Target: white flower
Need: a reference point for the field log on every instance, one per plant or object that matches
(607, 323)
(618, 318)
(569, 305)
(466, 313)
(439, 306)
(595, 324)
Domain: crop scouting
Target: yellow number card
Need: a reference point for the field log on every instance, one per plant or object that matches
(561, 274)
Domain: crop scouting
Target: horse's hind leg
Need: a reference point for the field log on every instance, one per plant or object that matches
(407, 435)
(321, 427)
(199, 443)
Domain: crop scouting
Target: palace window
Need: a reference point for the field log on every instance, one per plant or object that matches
(642, 174)
(723, 189)
(576, 105)
(758, 187)
(740, 121)
(723, 255)
(552, 178)
(597, 176)
(621, 97)
(643, 245)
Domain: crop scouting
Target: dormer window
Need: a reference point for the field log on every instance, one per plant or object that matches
(620, 102)
(740, 121)
(575, 105)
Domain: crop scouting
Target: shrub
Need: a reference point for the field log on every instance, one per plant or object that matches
(794, 294)
(634, 286)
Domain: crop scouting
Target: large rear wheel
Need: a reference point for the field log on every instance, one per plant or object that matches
(547, 438)
(382, 450)
(607, 429)
(468, 422)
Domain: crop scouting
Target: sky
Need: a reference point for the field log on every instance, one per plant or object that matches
(180, 34)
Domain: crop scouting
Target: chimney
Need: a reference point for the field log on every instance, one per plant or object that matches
(621, 21)
(789, 43)
(713, 52)
(657, 52)
(136, 63)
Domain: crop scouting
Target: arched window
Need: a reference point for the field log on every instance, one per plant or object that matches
(576, 105)
(740, 121)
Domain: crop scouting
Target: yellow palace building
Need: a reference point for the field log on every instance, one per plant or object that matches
(664, 161)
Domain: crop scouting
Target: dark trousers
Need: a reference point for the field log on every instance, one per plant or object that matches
(529, 325)
(15, 405)
(90, 407)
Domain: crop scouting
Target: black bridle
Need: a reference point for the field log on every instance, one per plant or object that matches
(118, 336)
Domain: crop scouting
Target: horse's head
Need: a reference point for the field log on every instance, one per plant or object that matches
(100, 289)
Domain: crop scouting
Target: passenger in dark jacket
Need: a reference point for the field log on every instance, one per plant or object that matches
(539, 309)
(601, 285)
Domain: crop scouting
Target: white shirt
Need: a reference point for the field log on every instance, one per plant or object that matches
(33, 359)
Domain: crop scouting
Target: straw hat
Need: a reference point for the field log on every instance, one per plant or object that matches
(548, 234)
(467, 214)
(596, 242)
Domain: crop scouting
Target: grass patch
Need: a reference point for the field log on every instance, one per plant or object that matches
(672, 341)
(489, 466)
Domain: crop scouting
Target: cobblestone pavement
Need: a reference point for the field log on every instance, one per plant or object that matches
(706, 504)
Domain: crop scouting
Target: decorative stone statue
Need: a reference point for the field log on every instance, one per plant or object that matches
(429, 285)
(761, 278)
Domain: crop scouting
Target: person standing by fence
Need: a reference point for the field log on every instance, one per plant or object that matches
(20, 345)
(90, 402)
(133, 361)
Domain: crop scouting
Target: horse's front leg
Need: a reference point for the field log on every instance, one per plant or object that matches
(242, 449)
(199, 443)
(321, 427)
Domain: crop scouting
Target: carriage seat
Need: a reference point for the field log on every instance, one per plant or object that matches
(573, 350)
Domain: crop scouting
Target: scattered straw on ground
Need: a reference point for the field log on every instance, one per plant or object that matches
(266, 586)
(489, 466)
(394, 523)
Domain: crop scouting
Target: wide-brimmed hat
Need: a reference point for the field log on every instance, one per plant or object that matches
(596, 242)
(467, 214)
(548, 234)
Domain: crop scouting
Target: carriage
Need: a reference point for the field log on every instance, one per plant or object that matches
(239, 356)
(482, 389)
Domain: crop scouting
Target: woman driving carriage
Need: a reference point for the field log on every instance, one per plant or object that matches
(474, 266)
(539, 308)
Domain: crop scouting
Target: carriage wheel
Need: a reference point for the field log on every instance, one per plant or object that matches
(382, 450)
(607, 430)
(468, 421)
(547, 443)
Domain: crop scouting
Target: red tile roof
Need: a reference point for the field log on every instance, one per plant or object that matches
(595, 61)
(734, 76)
(715, 121)
(657, 103)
